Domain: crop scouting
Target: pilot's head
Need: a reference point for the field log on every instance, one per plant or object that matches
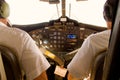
(4, 11)
(108, 12)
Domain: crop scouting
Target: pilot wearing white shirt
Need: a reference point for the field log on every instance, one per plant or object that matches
(79, 67)
(31, 59)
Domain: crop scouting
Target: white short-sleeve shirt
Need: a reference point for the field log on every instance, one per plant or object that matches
(79, 67)
(30, 57)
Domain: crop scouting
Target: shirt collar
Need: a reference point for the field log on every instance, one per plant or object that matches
(2, 25)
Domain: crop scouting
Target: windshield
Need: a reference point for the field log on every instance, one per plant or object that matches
(36, 11)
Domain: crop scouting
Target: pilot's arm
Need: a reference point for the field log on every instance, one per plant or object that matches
(79, 67)
(34, 62)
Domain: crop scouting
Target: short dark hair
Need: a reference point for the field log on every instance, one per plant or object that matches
(109, 9)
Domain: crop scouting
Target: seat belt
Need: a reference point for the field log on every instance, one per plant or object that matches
(2, 70)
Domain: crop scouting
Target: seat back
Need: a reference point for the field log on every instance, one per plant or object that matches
(11, 64)
(97, 66)
(2, 70)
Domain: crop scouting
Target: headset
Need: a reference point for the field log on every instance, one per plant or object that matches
(4, 9)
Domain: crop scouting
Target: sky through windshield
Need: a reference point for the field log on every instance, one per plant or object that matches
(36, 11)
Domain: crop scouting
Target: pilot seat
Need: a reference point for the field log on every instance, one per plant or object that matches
(11, 64)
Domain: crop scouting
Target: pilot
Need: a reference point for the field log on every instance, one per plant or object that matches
(79, 67)
(32, 61)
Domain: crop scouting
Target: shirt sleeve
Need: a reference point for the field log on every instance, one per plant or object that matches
(79, 67)
(33, 60)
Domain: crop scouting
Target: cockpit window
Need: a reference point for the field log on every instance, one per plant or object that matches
(37, 11)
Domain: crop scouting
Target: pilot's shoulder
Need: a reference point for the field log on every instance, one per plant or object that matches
(98, 35)
(20, 32)
(105, 32)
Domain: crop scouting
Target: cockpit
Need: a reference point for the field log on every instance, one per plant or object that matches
(58, 27)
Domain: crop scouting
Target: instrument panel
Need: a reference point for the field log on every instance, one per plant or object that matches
(61, 36)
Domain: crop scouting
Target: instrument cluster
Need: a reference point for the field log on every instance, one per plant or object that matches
(61, 37)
